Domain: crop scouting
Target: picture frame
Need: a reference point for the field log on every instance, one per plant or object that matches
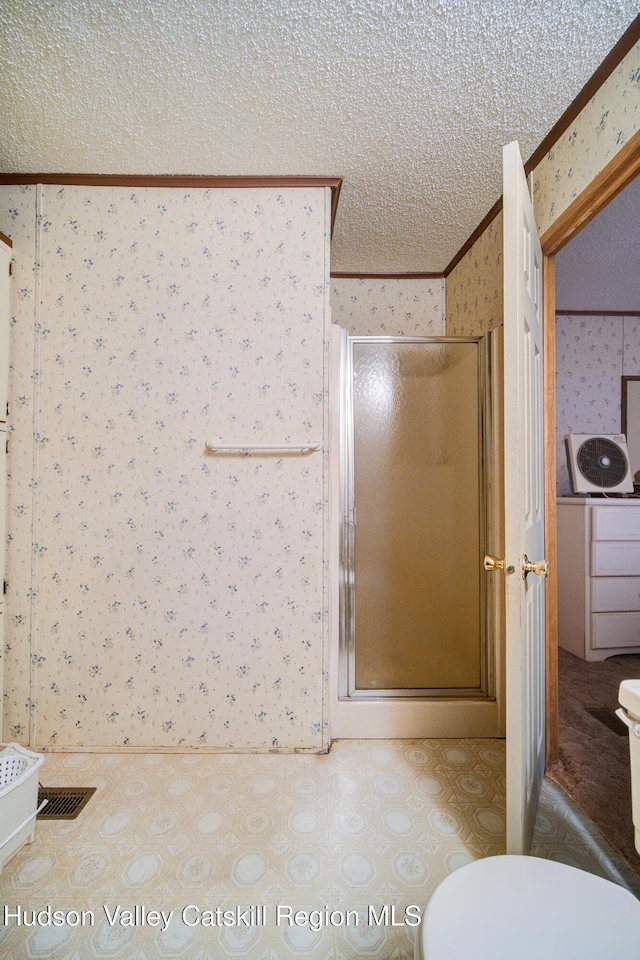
(630, 417)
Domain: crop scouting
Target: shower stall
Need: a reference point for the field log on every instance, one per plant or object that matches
(414, 432)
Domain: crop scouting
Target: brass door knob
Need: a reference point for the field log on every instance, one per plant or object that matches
(492, 563)
(539, 567)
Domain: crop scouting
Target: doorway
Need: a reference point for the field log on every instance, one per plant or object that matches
(615, 176)
(597, 332)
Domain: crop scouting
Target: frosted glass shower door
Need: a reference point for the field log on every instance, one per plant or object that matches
(414, 605)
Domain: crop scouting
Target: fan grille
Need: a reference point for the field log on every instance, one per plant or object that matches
(602, 462)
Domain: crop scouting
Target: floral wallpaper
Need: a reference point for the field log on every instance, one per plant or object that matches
(400, 308)
(612, 116)
(174, 598)
(592, 354)
(474, 286)
(605, 124)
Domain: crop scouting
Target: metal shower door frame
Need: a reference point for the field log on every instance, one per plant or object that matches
(348, 522)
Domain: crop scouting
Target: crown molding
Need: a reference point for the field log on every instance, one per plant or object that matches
(387, 276)
(180, 182)
(614, 58)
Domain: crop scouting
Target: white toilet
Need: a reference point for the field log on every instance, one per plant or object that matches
(629, 697)
(521, 908)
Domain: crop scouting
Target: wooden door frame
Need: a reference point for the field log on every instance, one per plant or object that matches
(615, 176)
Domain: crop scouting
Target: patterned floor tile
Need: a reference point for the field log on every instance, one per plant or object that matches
(373, 825)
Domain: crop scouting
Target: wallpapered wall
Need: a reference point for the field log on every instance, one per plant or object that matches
(393, 308)
(592, 354)
(605, 124)
(171, 598)
(612, 116)
(474, 288)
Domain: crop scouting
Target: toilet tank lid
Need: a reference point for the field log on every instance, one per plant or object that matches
(629, 697)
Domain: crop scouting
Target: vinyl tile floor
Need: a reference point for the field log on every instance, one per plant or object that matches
(373, 824)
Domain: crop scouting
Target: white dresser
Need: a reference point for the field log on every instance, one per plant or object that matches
(598, 576)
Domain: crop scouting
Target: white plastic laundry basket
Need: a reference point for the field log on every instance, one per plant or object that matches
(18, 798)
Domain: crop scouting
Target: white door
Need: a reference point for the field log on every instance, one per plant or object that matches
(524, 505)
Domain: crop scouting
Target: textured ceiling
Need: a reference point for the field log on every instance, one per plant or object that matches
(600, 268)
(409, 100)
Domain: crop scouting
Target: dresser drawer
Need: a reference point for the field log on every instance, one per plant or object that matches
(615, 593)
(616, 523)
(615, 630)
(611, 559)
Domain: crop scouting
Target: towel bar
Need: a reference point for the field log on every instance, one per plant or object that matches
(215, 445)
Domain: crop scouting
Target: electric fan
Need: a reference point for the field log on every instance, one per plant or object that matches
(598, 464)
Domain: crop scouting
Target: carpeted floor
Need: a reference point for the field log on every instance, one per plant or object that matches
(594, 748)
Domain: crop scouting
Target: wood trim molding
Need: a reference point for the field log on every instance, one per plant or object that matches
(479, 230)
(597, 313)
(336, 186)
(611, 180)
(167, 180)
(615, 176)
(387, 276)
(613, 59)
(180, 182)
(6, 239)
(551, 538)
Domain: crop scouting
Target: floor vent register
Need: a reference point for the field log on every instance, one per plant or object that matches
(65, 803)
